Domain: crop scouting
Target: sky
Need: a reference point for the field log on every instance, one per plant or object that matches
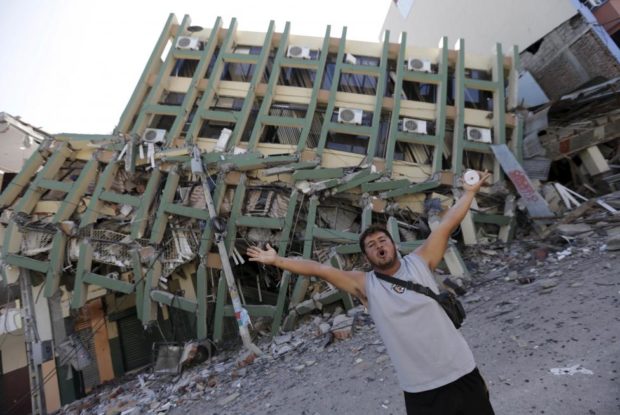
(71, 65)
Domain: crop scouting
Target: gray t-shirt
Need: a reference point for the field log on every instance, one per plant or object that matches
(426, 349)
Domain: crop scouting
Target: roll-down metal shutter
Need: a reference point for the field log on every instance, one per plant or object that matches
(136, 344)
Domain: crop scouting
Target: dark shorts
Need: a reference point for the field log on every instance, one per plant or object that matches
(467, 395)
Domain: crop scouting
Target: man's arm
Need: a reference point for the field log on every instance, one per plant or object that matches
(433, 249)
(352, 282)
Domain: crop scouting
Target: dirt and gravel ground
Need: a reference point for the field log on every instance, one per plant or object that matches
(543, 323)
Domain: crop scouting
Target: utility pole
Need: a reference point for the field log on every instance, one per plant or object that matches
(219, 228)
(37, 395)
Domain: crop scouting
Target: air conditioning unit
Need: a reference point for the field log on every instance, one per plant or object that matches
(348, 58)
(419, 65)
(222, 141)
(411, 125)
(350, 115)
(479, 135)
(298, 52)
(153, 136)
(186, 42)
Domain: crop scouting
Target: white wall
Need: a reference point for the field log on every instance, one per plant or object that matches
(482, 23)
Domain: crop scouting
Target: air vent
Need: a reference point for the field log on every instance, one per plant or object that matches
(411, 125)
(350, 116)
(479, 135)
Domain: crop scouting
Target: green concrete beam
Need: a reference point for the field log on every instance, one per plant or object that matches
(386, 185)
(394, 119)
(318, 80)
(124, 124)
(77, 191)
(362, 177)
(56, 263)
(108, 283)
(80, 287)
(201, 300)
(22, 179)
(260, 222)
(415, 188)
(333, 235)
(104, 182)
(319, 174)
(331, 103)
(161, 219)
(176, 301)
(26, 262)
(380, 92)
(32, 196)
(49, 184)
(248, 103)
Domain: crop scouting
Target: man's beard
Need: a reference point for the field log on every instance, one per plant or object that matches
(385, 265)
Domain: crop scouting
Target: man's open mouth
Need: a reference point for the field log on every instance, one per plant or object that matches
(381, 253)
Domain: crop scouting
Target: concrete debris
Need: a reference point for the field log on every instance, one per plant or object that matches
(227, 376)
(613, 243)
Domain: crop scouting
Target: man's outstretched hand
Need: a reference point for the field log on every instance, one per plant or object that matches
(266, 256)
(475, 187)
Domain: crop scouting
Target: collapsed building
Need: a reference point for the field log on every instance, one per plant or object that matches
(236, 138)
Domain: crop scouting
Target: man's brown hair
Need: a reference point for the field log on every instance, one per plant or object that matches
(372, 229)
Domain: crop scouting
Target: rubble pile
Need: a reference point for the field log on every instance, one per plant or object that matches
(234, 374)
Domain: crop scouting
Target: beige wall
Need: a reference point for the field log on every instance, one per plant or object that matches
(482, 23)
(13, 352)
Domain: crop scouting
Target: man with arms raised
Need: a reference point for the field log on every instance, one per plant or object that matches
(433, 362)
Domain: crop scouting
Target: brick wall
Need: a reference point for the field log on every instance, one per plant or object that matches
(569, 57)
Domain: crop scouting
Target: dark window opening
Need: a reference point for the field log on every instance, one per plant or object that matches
(223, 103)
(315, 128)
(413, 153)
(212, 62)
(238, 72)
(212, 129)
(268, 68)
(297, 77)
(184, 68)
(382, 138)
(416, 91)
(247, 50)
(478, 74)
(479, 100)
(357, 144)
(288, 110)
(163, 122)
(478, 161)
(252, 117)
(361, 60)
(280, 135)
(357, 84)
(474, 98)
(172, 98)
(328, 74)
(190, 119)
